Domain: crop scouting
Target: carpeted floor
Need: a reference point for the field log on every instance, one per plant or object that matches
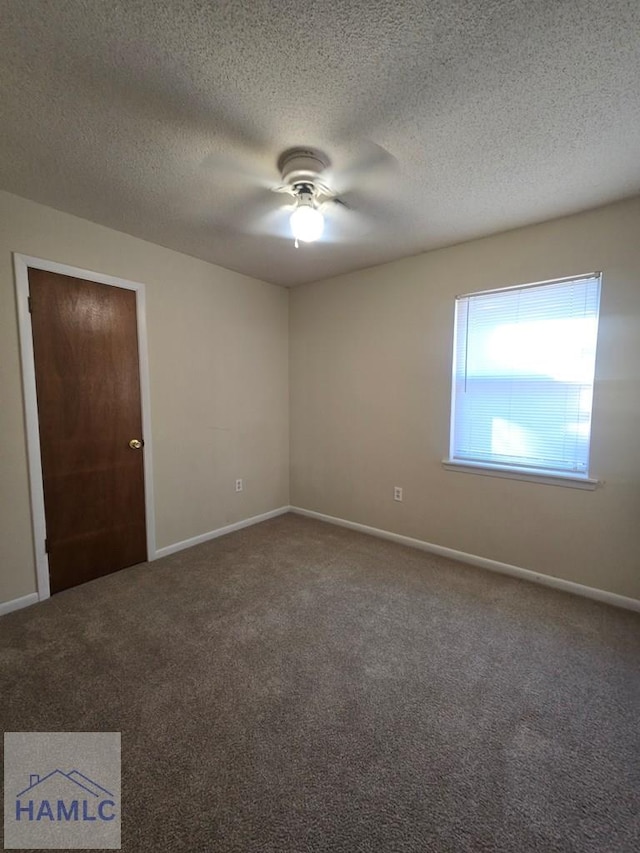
(299, 687)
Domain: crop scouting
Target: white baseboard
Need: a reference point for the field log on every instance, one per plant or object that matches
(18, 603)
(482, 562)
(220, 531)
(451, 553)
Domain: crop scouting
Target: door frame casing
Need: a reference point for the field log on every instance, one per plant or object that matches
(21, 264)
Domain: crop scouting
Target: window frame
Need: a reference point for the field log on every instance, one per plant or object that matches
(488, 468)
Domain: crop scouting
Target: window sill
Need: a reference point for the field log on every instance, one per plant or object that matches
(568, 480)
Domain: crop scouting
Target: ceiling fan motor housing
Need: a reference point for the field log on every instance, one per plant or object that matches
(302, 166)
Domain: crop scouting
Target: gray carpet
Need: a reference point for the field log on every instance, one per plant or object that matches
(299, 687)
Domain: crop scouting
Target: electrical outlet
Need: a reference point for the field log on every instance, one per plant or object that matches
(397, 493)
(239, 485)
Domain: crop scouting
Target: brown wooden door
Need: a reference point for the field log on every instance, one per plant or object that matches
(85, 345)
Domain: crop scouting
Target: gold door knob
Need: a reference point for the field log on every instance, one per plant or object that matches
(135, 444)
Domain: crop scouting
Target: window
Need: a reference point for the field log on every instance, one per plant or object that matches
(523, 368)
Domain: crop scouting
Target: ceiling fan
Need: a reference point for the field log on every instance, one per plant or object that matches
(330, 202)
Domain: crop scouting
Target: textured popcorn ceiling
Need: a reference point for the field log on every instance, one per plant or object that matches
(165, 118)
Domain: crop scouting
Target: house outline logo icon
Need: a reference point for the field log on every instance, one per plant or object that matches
(60, 796)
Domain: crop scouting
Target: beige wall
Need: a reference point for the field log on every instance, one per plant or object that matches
(218, 352)
(370, 383)
(370, 365)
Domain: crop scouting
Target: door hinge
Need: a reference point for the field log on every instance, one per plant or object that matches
(29, 305)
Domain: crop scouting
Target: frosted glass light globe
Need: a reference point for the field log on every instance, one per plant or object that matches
(307, 223)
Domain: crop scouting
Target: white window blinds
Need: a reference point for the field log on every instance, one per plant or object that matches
(524, 361)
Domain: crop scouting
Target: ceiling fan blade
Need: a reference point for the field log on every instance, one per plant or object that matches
(365, 162)
(258, 212)
(274, 223)
(344, 224)
(241, 168)
(283, 188)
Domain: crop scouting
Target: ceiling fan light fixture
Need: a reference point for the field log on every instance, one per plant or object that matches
(307, 222)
